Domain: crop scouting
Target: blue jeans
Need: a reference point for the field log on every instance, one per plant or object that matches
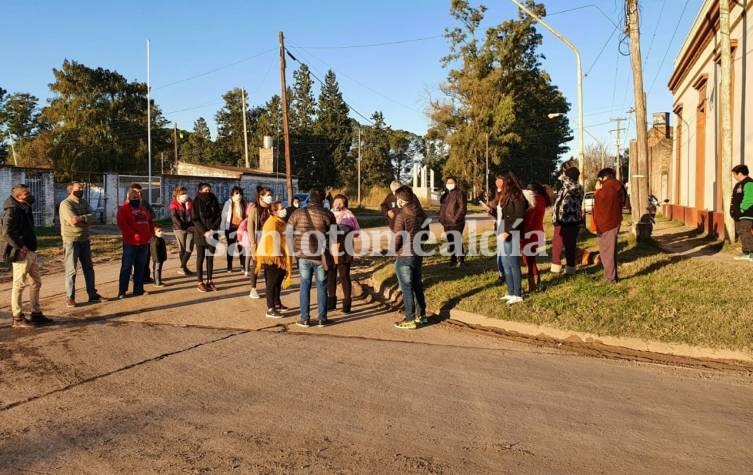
(511, 265)
(80, 251)
(308, 268)
(409, 277)
(134, 257)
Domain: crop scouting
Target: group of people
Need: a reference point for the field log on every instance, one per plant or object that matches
(256, 232)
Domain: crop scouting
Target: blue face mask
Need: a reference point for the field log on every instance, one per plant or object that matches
(135, 203)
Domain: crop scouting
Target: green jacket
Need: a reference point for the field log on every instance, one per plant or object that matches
(69, 208)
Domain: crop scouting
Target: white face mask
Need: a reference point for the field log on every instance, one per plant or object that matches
(182, 198)
(450, 186)
(158, 234)
(282, 213)
(236, 198)
(267, 199)
(401, 203)
(499, 190)
(296, 205)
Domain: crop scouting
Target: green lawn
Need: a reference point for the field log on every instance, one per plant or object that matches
(661, 296)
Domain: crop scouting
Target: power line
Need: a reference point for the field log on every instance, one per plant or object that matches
(669, 46)
(211, 71)
(656, 28)
(373, 45)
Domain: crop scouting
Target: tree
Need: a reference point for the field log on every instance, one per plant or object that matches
(199, 147)
(497, 93)
(230, 142)
(333, 133)
(405, 147)
(376, 166)
(19, 116)
(97, 122)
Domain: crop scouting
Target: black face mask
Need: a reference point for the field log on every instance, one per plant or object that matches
(78, 194)
(30, 200)
(135, 203)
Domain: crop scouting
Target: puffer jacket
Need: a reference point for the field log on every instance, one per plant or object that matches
(742, 200)
(568, 204)
(17, 228)
(453, 208)
(408, 223)
(314, 217)
(181, 214)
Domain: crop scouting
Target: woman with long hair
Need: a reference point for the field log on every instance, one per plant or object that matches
(511, 211)
(181, 213)
(233, 213)
(534, 240)
(257, 214)
(348, 225)
(206, 219)
(272, 257)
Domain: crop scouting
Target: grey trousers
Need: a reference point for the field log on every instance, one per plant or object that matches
(608, 253)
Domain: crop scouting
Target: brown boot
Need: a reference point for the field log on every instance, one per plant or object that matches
(346, 306)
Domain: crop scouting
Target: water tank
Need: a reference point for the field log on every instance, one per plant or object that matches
(268, 141)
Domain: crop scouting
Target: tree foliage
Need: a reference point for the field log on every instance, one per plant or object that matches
(198, 148)
(332, 136)
(230, 141)
(497, 91)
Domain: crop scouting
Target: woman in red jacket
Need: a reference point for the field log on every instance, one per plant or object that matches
(535, 240)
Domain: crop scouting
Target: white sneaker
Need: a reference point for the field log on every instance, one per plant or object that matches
(506, 297)
(514, 299)
(253, 294)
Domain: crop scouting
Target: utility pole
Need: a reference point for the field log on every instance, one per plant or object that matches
(162, 160)
(486, 176)
(245, 133)
(639, 167)
(618, 159)
(725, 93)
(175, 143)
(13, 150)
(285, 130)
(149, 117)
(359, 166)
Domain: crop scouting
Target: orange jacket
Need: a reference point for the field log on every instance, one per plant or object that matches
(608, 202)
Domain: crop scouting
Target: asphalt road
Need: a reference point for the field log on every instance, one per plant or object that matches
(180, 381)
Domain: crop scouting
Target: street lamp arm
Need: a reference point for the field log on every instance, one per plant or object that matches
(580, 79)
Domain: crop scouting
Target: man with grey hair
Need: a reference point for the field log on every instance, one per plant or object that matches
(18, 246)
(75, 218)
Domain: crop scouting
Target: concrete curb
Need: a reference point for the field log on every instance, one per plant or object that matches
(635, 344)
(530, 330)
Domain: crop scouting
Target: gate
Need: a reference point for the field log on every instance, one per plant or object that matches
(94, 192)
(125, 182)
(35, 182)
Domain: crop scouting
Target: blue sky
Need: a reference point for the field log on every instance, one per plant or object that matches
(234, 43)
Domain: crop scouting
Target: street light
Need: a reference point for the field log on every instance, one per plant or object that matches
(580, 79)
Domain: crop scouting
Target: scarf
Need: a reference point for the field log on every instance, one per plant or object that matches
(272, 237)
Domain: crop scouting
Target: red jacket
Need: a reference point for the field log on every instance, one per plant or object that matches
(534, 220)
(608, 202)
(136, 224)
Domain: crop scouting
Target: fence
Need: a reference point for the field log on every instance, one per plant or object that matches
(41, 182)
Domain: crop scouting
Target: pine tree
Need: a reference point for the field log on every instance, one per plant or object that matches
(333, 132)
(198, 148)
(230, 143)
(376, 164)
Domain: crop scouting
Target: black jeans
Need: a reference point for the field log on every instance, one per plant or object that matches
(274, 276)
(569, 239)
(343, 270)
(204, 253)
(455, 240)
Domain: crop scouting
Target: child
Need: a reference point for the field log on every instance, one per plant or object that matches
(159, 255)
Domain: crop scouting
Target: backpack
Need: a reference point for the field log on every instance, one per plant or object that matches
(241, 235)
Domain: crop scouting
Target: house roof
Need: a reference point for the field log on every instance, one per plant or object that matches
(239, 171)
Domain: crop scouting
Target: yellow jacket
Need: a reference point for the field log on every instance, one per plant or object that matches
(272, 248)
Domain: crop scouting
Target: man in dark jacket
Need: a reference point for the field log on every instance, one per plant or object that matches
(452, 210)
(311, 226)
(389, 204)
(407, 228)
(18, 244)
(741, 210)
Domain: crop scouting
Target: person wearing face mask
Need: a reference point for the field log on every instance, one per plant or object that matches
(567, 217)
(389, 204)
(206, 219)
(233, 213)
(147, 206)
(342, 253)
(137, 227)
(257, 214)
(181, 214)
(75, 217)
(452, 210)
(159, 255)
(272, 257)
(18, 245)
(295, 204)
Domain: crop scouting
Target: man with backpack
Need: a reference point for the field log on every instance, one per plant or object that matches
(18, 246)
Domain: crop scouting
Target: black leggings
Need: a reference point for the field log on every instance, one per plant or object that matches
(202, 253)
(273, 276)
(343, 270)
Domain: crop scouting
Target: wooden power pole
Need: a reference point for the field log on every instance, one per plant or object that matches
(285, 130)
(638, 165)
(725, 104)
(175, 143)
